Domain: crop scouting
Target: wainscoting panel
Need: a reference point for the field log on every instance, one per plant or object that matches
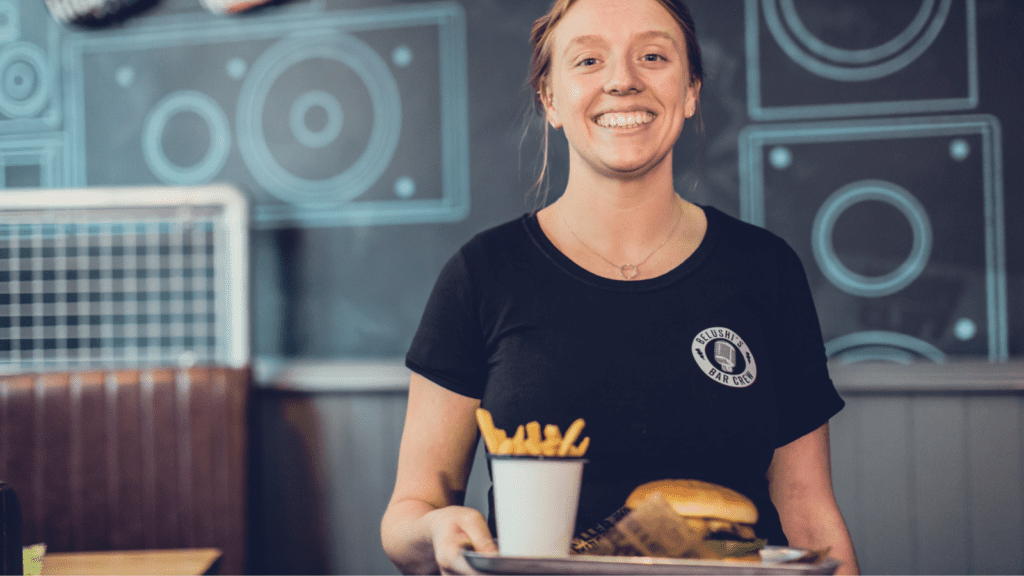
(995, 492)
(927, 467)
(878, 435)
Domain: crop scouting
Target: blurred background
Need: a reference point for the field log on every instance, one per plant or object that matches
(372, 138)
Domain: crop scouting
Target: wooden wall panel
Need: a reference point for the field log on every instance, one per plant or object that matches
(941, 518)
(291, 520)
(361, 488)
(995, 495)
(932, 483)
(340, 453)
(886, 487)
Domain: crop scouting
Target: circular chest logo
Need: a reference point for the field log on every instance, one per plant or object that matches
(724, 357)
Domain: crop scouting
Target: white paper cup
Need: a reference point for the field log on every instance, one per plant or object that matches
(535, 503)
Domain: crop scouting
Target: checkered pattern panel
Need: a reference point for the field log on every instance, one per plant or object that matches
(112, 288)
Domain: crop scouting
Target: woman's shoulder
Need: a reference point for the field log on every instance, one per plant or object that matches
(499, 238)
(756, 246)
(493, 248)
(737, 228)
(735, 231)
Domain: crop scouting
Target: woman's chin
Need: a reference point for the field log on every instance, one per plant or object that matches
(629, 169)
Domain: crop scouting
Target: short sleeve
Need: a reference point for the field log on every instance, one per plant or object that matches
(807, 397)
(447, 348)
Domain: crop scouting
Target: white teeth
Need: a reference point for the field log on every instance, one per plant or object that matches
(617, 120)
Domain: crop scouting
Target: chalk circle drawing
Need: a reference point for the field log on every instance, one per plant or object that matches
(859, 284)
(846, 65)
(882, 345)
(25, 85)
(380, 148)
(308, 101)
(216, 154)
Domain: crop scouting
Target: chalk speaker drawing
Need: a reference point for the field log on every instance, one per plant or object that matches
(30, 96)
(927, 278)
(327, 118)
(860, 58)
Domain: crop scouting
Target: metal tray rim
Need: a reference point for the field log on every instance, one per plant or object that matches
(585, 564)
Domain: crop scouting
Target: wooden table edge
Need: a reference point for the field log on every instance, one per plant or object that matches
(140, 562)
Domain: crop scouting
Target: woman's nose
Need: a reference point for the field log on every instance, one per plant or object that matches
(623, 78)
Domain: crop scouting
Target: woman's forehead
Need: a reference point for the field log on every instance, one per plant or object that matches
(612, 21)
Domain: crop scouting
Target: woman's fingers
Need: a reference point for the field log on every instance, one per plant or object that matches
(480, 538)
(458, 528)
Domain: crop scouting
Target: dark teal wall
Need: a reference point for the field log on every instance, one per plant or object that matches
(881, 139)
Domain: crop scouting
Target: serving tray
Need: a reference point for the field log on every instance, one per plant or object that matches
(774, 560)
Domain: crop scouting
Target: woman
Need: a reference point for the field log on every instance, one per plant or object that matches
(686, 339)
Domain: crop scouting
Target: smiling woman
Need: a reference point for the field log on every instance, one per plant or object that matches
(686, 339)
(620, 89)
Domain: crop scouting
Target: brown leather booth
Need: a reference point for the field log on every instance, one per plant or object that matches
(129, 459)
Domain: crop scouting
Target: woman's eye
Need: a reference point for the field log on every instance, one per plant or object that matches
(652, 57)
(588, 62)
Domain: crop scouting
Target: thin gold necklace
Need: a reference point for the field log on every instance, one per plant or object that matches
(627, 271)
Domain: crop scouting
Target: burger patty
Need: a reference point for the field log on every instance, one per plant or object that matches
(720, 529)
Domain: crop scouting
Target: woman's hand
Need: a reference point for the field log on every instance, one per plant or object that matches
(454, 529)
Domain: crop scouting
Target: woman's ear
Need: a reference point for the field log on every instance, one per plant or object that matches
(692, 97)
(550, 112)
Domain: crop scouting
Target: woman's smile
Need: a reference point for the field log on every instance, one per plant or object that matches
(624, 119)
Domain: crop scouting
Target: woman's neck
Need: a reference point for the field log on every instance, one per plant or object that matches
(621, 214)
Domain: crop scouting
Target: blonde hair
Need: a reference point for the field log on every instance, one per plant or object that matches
(540, 66)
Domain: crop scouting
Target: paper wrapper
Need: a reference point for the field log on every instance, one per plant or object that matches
(653, 529)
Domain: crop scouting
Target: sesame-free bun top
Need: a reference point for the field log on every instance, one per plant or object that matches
(695, 498)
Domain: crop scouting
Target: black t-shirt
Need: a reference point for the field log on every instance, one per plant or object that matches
(699, 373)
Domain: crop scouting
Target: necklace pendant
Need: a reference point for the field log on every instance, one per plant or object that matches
(628, 271)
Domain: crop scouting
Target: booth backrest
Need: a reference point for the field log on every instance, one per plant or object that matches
(130, 459)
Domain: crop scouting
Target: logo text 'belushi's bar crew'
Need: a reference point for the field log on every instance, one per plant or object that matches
(724, 357)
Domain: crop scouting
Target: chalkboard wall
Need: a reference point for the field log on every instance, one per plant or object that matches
(373, 138)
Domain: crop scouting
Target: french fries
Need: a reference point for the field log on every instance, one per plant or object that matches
(528, 440)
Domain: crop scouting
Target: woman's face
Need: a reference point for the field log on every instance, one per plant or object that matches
(619, 84)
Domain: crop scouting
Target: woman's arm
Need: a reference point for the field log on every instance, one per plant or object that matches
(800, 481)
(425, 526)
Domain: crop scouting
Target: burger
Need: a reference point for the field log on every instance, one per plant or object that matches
(722, 517)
